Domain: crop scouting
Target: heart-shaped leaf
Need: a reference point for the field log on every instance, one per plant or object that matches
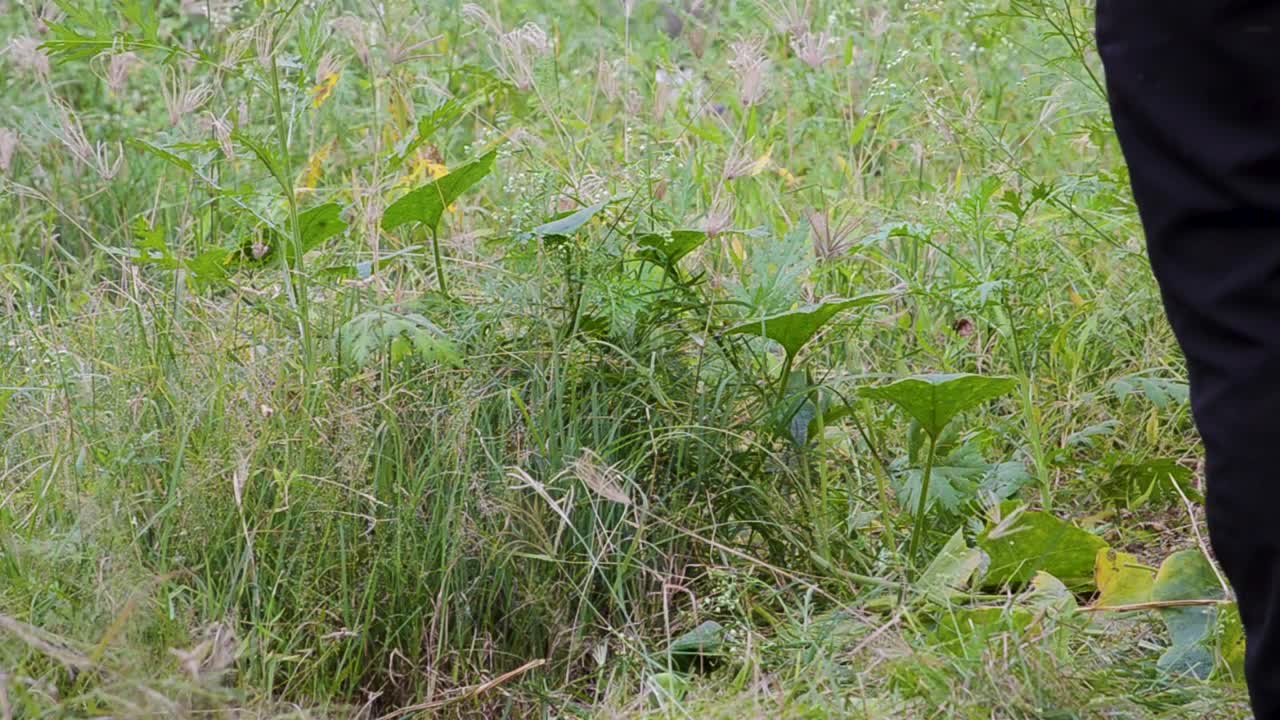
(1121, 580)
(698, 646)
(1187, 575)
(1021, 543)
(427, 203)
(794, 328)
(934, 400)
(316, 225)
(667, 250)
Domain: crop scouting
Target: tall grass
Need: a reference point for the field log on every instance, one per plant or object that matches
(492, 471)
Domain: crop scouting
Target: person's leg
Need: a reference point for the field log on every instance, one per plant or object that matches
(1194, 89)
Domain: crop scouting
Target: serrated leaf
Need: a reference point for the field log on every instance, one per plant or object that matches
(794, 328)
(962, 476)
(934, 400)
(1160, 391)
(1152, 481)
(264, 156)
(363, 337)
(427, 203)
(1025, 542)
(161, 153)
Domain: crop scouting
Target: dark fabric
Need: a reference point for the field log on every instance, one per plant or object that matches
(1194, 87)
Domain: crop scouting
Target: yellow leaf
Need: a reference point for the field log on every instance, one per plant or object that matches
(791, 180)
(1121, 579)
(321, 92)
(1075, 297)
(314, 170)
(761, 163)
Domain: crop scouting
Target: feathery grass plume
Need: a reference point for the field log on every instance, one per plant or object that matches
(403, 50)
(790, 16)
(221, 129)
(27, 55)
(517, 50)
(814, 49)
(829, 243)
(264, 42)
(114, 68)
(600, 477)
(217, 12)
(180, 99)
(8, 147)
(328, 72)
(49, 13)
(667, 88)
(234, 49)
(751, 64)
(95, 156)
(607, 80)
(719, 217)
(353, 29)
(740, 163)
(879, 24)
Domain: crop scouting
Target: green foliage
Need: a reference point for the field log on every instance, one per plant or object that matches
(935, 400)
(794, 328)
(402, 334)
(427, 204)
(1024, 542)
(1187, 575)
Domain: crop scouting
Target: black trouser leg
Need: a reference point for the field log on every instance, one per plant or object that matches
(1194, 87)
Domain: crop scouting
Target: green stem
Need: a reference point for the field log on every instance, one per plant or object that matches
(435, 250)
(917, 531)
(299, 288)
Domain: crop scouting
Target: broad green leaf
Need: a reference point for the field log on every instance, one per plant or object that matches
(1153, 481)
(566, 225)
(697, 646)
(794, 328)
(320, 223)
(1023, 542)
(934, 400)
(1187, 575)
(950, 571)
(317, 224)
(364, 336)
(667, 250)
(667, 687)
(1230, 644)
(210, 265)
(427, 203)
(1121, 580)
